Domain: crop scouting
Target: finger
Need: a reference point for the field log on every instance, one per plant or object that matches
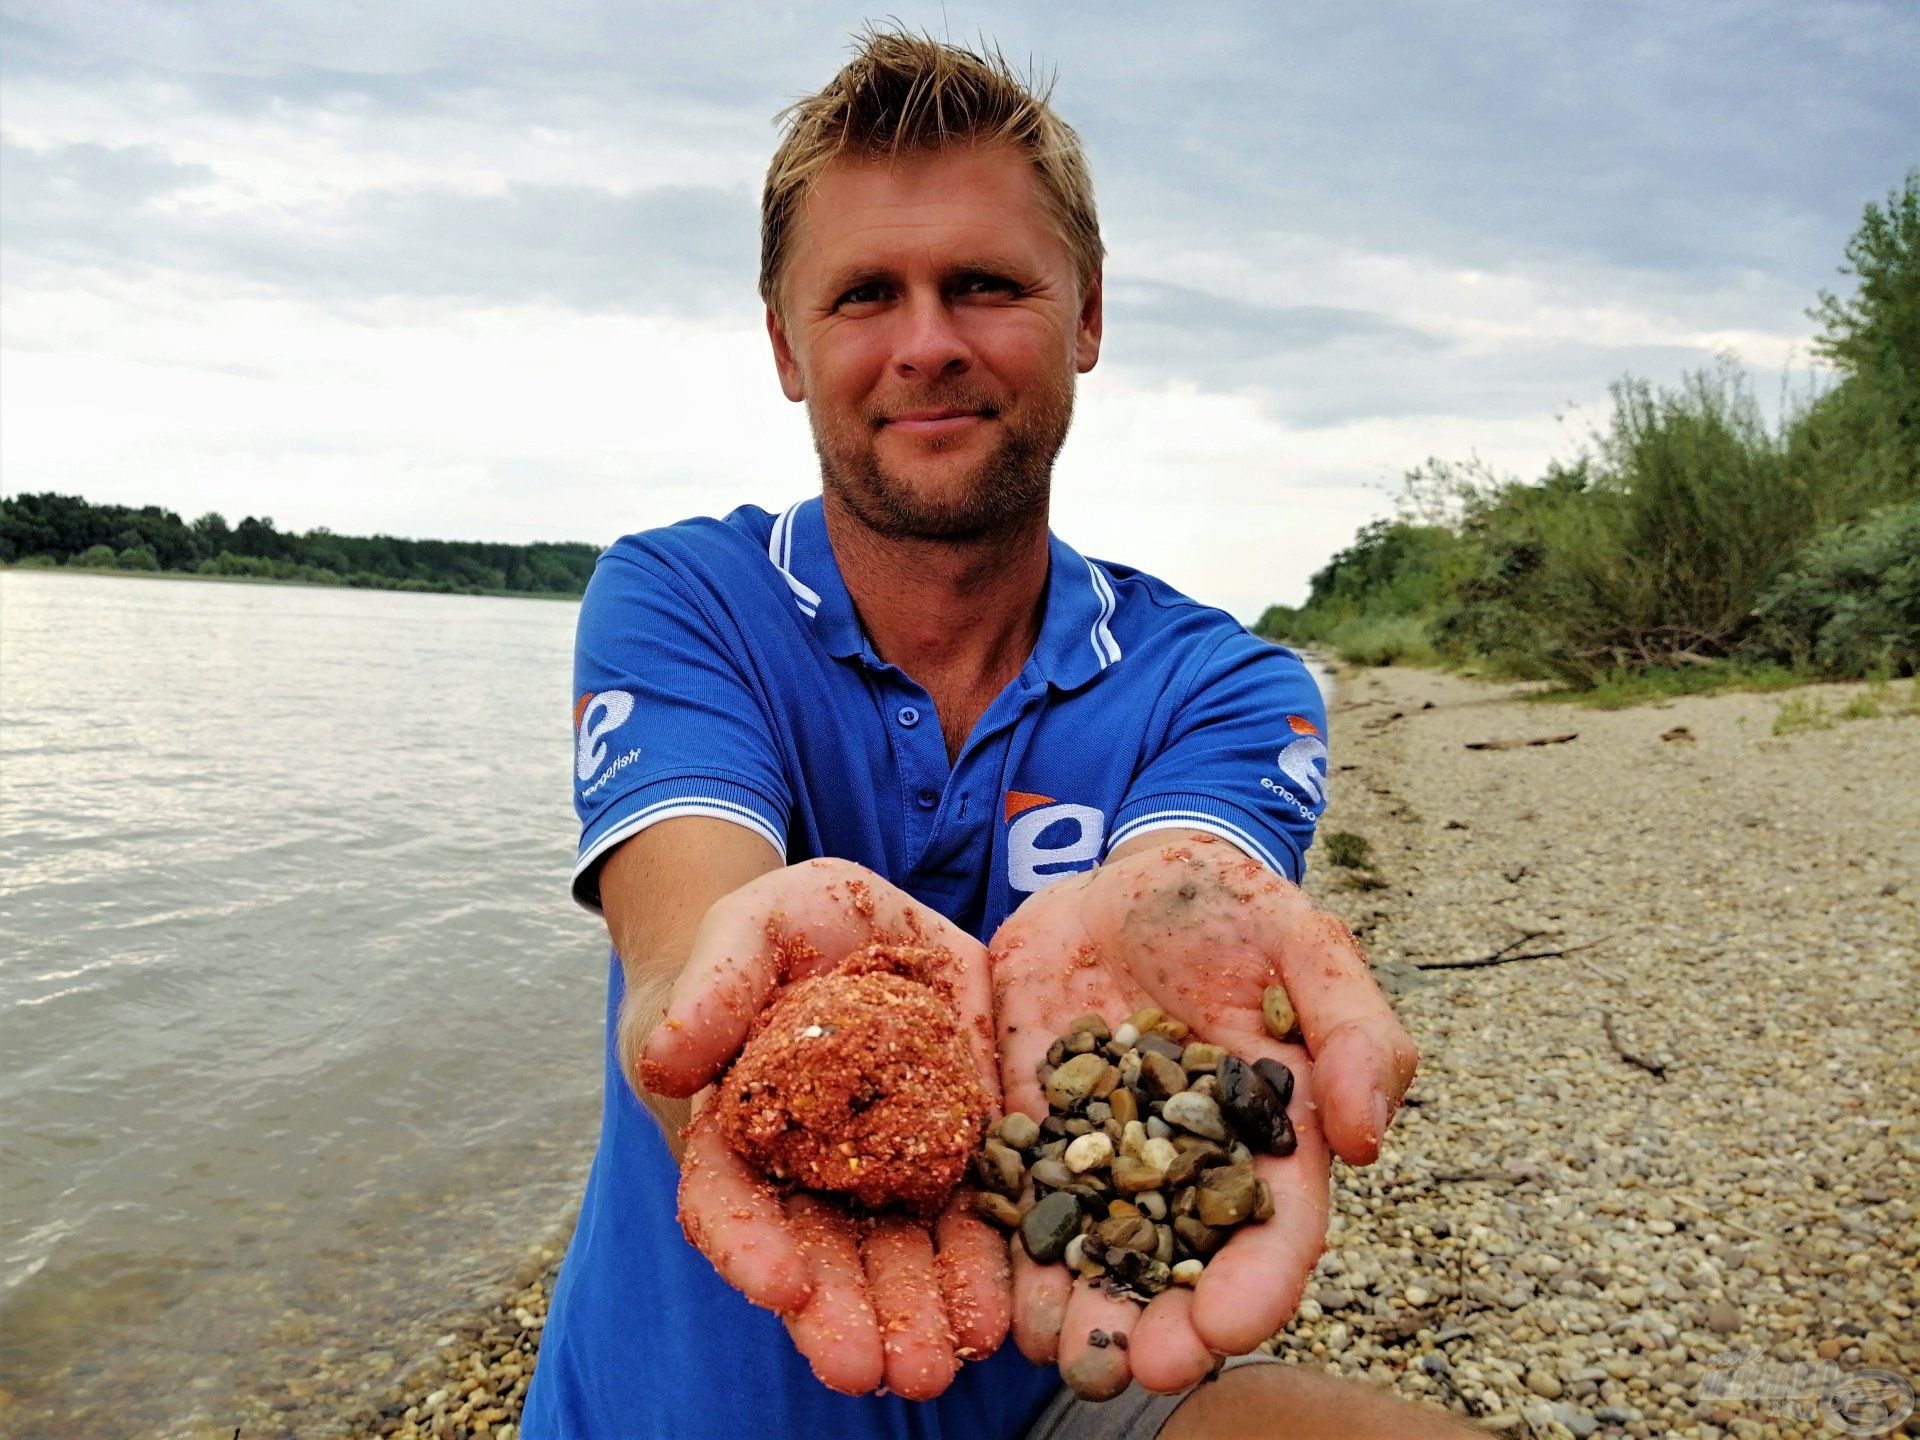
(1166, 1353)
(1040, 1294)
(1253, 1285)
(735, 1219)
(975, 1284)
(837, 1330)
(1361, 1072)
(1364, 1060)
(904, 1285)
(1090, 1362)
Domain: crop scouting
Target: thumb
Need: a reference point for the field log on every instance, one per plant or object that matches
(1360, 1075)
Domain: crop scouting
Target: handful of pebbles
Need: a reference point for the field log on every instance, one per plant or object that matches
(1144, 1164)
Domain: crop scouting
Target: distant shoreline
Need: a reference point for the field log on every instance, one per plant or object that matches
(118, 574)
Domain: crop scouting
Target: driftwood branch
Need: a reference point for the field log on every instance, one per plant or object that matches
(1505, 956)
(1652, 1067)
(1522, 744)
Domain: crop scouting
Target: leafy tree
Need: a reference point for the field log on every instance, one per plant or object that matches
(1873, 338)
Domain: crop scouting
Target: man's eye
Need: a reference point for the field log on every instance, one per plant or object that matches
(864, 294)
(987, 285)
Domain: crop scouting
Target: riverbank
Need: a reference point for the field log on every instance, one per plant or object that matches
(116, 573)
(1691, 1136)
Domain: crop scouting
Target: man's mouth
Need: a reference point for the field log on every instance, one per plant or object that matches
(936, 420)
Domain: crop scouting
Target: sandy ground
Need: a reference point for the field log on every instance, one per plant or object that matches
(1663, 1184)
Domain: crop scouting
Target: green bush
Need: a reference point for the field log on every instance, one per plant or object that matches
(1850, 604)
(1393, 640)
(138, 557)
(95, 557)
(36, 562)
(1653, 552)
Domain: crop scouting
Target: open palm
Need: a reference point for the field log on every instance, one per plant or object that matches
(867, 1301)
(1188, 924)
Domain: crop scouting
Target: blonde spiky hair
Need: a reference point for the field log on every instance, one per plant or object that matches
(906, 94)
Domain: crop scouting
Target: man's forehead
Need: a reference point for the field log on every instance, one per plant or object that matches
(983, 202)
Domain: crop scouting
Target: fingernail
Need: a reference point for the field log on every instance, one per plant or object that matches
(1382, 1114)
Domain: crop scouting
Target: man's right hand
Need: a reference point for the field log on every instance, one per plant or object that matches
(895, 1300)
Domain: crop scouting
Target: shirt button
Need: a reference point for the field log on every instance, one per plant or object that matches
(929, 799)
(909, 716)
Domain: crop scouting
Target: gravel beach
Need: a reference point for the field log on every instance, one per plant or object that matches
(1642, 1186)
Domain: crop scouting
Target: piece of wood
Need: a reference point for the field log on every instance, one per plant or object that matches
(1503, 956)
(1652, 1067)
(1523, 744)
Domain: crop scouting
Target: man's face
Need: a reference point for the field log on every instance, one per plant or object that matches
(933, 326)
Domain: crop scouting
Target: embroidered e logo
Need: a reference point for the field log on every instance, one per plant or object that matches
(1076, 833)
(1299, 758)
(614, 707)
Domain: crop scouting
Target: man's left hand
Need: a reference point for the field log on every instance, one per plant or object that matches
(1186, 923)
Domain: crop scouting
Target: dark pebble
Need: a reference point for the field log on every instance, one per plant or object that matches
(1201, 1239)
(1119, 1338)
(1192, 1160)
(1279, 1077)
(1098, 1339)
(1049, 1225)
(1251, 1107)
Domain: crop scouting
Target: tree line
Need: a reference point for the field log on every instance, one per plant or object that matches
(1691, 541)
(47, 530)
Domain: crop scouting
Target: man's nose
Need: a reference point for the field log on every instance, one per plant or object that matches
(930, 344)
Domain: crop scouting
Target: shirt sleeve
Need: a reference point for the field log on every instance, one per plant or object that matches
(666, 720)
(1244, 759)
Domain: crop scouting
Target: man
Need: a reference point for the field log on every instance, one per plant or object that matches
(905, 708)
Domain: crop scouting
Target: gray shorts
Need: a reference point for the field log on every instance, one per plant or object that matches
(1133, 1414)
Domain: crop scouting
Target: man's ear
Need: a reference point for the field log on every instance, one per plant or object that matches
(1086, 340)
(792, 384)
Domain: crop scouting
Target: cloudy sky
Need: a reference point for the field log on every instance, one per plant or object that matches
(487, 270)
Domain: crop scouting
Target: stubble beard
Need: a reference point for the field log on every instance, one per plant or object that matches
(1007, 492)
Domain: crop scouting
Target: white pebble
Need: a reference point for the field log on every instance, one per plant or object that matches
(1133, 1137)
(1160, 1154)
(1076, 1252)
(1089, 1152)
(1416, 1296)
(1126, 1037)
(1187, 1272)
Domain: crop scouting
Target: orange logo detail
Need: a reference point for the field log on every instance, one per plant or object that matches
(1302, 726)
(1018, 800)
(580, 708)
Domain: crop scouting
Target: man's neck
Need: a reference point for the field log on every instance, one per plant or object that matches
(959, 617)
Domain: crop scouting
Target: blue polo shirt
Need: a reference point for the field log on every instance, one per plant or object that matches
(721, 670)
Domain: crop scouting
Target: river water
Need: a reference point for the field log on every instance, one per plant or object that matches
(300, 1029)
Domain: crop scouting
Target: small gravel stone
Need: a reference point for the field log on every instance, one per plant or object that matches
(1020, 1131)
(1075, 1080)
(1196, 1113)
(1543, 1382)
(1049, 1225)
(1089, 1152)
